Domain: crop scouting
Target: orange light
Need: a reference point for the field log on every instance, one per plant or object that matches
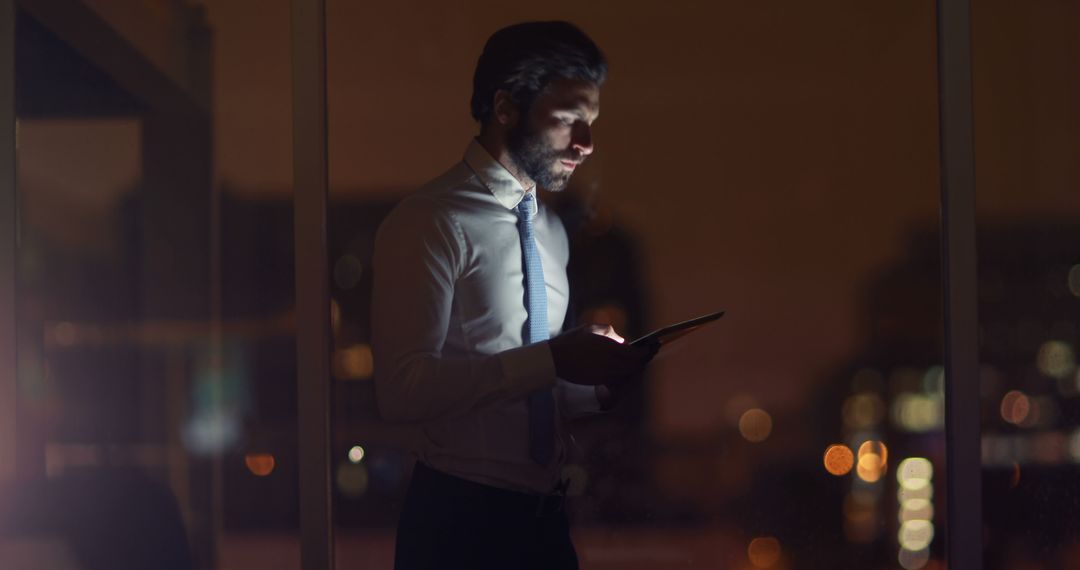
(869, 468)
(839, 459)
(764, 551)
(877, 448)
(353, 363)
(755, 425)
(873, 461)
(260, 464)
(1015, 407)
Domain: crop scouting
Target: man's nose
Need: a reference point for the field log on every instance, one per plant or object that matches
(582, 141)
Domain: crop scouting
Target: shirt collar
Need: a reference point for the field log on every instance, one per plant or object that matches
(506, 189)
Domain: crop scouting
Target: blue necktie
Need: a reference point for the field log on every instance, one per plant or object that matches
(541, 402)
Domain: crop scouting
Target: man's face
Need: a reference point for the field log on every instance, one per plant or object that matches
(555, 136)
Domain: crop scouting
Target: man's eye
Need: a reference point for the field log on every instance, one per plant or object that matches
(567, 121)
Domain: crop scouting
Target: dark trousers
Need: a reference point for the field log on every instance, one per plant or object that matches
(451, 523)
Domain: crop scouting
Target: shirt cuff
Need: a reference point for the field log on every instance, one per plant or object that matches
(531, 367)
(579, 401)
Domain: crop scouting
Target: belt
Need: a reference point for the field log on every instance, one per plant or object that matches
(542, 505)
(554, 502)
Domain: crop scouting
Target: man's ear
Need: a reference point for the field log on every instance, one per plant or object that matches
(506, 111)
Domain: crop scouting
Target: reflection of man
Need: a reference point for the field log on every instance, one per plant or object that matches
(470, 282)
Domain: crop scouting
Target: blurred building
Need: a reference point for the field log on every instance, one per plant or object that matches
(889, 401)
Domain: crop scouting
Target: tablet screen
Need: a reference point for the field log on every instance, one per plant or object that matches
(671, 332)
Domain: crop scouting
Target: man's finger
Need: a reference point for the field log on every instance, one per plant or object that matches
(607, 331)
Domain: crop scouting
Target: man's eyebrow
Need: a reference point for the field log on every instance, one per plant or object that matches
(577, 111)
(581, 108)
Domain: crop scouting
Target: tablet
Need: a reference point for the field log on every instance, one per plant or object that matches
(672, 332)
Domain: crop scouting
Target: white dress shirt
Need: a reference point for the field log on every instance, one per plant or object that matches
(448, 316)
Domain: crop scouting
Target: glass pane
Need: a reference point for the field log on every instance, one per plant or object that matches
(1027, 132)
(156, 367)
(777, 163)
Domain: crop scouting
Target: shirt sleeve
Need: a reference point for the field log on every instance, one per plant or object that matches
(575, 401)
(419, 254)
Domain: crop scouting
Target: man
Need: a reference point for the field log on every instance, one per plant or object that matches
(470, 296)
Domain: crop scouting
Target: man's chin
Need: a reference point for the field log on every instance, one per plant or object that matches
(556, 183)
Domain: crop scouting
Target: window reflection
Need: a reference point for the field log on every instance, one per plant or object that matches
(156, 372)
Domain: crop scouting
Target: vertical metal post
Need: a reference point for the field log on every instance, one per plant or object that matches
(960, 286)
(8, 365)
(310, 180)
(175, 274)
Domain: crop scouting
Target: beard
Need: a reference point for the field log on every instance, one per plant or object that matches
(537, 159)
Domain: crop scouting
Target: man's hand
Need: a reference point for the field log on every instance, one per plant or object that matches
(595, 354)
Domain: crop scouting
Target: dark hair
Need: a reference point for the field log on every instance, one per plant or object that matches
(522, 59)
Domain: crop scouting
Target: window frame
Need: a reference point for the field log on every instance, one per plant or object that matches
(963, 529)
(310, 195)
(8, 241)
